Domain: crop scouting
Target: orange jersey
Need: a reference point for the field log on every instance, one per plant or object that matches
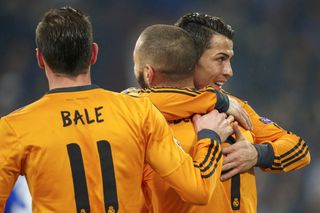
(238, 193)
(182, 97)
(160, 197)
(83, 149)
(290, 151)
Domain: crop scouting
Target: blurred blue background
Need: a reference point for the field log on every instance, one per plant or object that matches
(276, 67)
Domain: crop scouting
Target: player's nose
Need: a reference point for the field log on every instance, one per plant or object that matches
(228, 72)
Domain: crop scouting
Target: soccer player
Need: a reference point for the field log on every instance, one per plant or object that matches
(164, 62)
(82, 148)
(274, 149)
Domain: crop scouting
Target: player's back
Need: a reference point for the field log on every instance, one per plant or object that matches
(74, 146)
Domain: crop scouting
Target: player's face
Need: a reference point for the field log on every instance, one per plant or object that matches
(214, 66)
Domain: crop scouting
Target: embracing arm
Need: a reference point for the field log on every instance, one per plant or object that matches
(274, 149)
(279, 150)
(193, 179)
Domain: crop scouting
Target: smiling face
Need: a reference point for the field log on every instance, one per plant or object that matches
(214, 66)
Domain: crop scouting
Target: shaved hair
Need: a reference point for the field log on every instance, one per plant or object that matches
(169, 50)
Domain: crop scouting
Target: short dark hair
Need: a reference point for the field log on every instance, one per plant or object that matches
(64, 36)
(201, 27)
(170, 49)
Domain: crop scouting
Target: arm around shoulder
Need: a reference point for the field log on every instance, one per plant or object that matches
(194, 179)
(288, 151)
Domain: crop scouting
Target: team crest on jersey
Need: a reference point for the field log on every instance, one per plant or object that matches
(265, 120)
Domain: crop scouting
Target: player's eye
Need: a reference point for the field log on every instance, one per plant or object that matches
(221, 59)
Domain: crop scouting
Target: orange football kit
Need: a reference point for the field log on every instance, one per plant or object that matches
(288, 152)
(83, 149)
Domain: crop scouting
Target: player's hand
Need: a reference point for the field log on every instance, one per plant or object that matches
(239, 157)
(218, 122)
(239, 114)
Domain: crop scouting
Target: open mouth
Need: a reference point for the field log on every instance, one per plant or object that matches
(218, 85)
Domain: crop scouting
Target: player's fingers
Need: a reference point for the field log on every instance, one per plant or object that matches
(229, 174)
(225, 131)
(244, 123)
(223, 115)
(229, 156)
(247, 120)
(228, 166)
(195, 120)
(242, 119)
(230, 119)
(236, 130)
(227, 150)
(196, 117)
(229, 130)
(234, 149)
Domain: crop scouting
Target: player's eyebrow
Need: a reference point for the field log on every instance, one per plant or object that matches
(224, 54)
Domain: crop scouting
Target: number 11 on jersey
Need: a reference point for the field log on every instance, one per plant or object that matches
(79, 177)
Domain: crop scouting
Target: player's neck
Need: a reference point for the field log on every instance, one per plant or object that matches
(62, 81)
(179, 84)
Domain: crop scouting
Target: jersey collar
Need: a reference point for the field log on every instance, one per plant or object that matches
(74, 89)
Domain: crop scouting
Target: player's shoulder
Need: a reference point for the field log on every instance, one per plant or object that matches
(138, 92)
(24, 110)
(135, 92)
(132, 97)
(181, 91)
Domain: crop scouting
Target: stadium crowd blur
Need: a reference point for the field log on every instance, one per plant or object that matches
(276, 67)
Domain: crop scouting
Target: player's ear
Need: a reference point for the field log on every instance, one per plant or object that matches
(94, 54)
(40, 58)
(148, 74)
